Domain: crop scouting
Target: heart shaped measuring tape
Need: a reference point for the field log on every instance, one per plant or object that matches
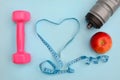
(58, 69)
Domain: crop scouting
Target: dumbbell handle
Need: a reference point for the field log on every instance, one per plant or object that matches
(20, 37)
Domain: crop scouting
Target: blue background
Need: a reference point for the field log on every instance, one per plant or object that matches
(56, 10)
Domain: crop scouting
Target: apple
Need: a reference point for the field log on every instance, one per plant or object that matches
(101, 42)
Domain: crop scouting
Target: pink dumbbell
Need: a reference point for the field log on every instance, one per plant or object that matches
(21, 17)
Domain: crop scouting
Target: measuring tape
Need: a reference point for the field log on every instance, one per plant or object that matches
(57, 68)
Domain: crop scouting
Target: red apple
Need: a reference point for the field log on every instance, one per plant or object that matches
(101, 42)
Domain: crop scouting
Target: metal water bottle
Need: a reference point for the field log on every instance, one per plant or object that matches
(101, 12)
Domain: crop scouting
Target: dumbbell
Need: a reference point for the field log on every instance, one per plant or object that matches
(20, 18)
